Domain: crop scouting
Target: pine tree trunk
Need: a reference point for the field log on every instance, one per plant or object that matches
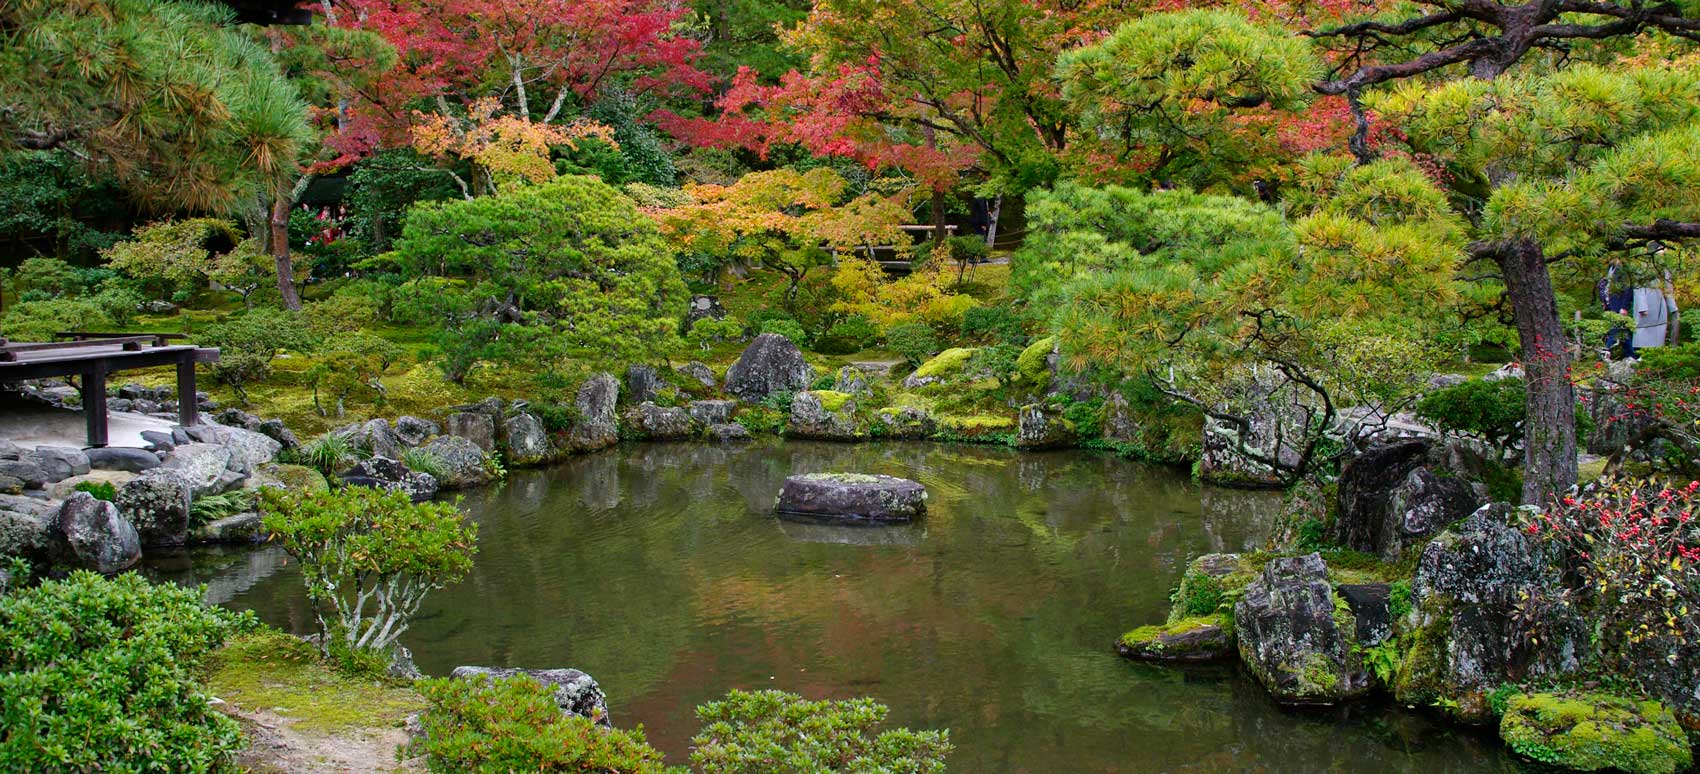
(1549, 430)
(280, 251)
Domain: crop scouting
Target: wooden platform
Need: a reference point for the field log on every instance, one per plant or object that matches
(93, 356)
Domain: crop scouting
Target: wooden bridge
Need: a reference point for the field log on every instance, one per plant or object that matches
(93, 356)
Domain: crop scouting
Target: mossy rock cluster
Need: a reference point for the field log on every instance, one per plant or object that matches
(1595, 732)
(1200, 638)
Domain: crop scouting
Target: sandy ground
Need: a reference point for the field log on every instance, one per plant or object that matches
(31, 424)
(273, 746)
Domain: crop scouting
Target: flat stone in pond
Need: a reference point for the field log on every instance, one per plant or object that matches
(852, 496)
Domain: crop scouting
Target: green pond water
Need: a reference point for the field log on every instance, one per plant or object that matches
(660, 570)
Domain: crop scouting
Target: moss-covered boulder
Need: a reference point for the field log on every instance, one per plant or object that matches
(1595, 732)
(823, 415)
(1297, 637)
(1033, 365)
(978, 428)
(1201, 638)
(1213, 583)
(1038, 427)
(941, 368)
(911, 423)
(299, 477)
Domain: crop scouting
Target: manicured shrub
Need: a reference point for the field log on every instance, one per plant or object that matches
(1491, 411)
(707, 332)
(514, 724)
(914, 341)
(38, 320)
(102, 674)
(248, 342)
(790, 329)
(850, 335)
(773, 732)
(368, 557)
(993, 325)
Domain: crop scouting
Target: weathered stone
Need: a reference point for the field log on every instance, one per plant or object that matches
(462, 463)
(1391, 498)
(712, 412)
(659, 423)
(206, 433)
(202, 464)
(1203, 638)
(910, 423)
(1595, 732)
(700, 374)
(414, 431)
(940, 368)
(1443, 381)
(524, 440)
(63, 489)
(770, 364)
(249, 449)
(28, 527)
(576, 693)
(1370, 604)
(474, 426)
(823, 415)
(1294, 637)
(122, 458)
(377, 437)
(158, 503)
(1468, 631)
(728, 433)
(703, 308)
(852, 496)
(1507, 371)
(298, 477)
(248, 527)
(598, 424)
(1121, 427)
(27, 473)
(11, 485)
(851, 380)
(235, 417)
(491, 406)
(1040, 428)
(276, 430)
(1274, 418)
(388, 474)
(159, 440)
(10, 451)
(97, 536)
(133, 391)
(59, 462)
(643, 383)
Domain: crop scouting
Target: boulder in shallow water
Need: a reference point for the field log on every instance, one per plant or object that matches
(576, 693)
(1297, 638)
(598, 425)
(852, 496)
(98, 536)
(461, 462)
(1203, 638)
(729, 432)
(524, 440)
(659, 423)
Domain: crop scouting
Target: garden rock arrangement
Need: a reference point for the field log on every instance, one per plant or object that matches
(770, 364)
(1296, 637)
(852, 496)
(823, 415)
(1393, 497)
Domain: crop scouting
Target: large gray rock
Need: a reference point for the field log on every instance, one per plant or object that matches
(159, 441)
(729, 432)
(376, 436)
(99, 538)
(10, 451)
(158, 503)
(202, 464)
(1392, 498)
(853, 496)
(598, 424)
(576, 693)
(1041, 428)
(1121, 427)
(909, 423)
(59, 462)
(122, 458)
(28, 527)
(385, 473)
(1293, 640)
(850, 379)
(462, 463)
(1470, 629)
(659, 423)
(699, 373)
(524, 440)
(276, 430)
(823, 416)
(235, 417)
(770, 364)
(712, 412)
(414, 431)
(248, 449)
(475, 426)
(643, 383)
(27, 473)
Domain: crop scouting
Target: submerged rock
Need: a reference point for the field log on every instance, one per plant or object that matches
(576, 693)
(1595, 732)
(1202, 638)
(852, 496)
(1297, 638)
(770, 364)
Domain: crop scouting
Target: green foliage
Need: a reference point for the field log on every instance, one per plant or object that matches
(790, 329)
(248, 342)
(772, 732)
(212, 507)
(1198, 594)
(40, 320)
(423, 461)
(384, 186)
(994, 325)
(183, 255)
(1311, 534)
(102, 674)
(1383, 660)
(100, 490)
(914, 341)
(513, 724)
(369, 556)
(352, 364)
(1595, 732)
(1492, 411)
(49, 276)
(707, 332)
(55, 202)
(763, 420)
(848, 336)
(329, 453)
(1399, 600)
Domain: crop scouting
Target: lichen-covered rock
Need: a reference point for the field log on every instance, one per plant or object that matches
(297, 477)
(248, 449)
(1371, 610)
(852, 496)
(58, 462)
(1121, 427)
(700, 374)
(643, 383)
(659, 423)
(576, 693)
(823, 415)
(524, 440)
(124, 458)
(770, 364)
(1202, 638)
(463, 463)
(1468, 631)
(246, 527)
(1392, 498)
(940, 368)
(203, 464)
(728, 433)
(1296, 637)
(377, 437)
(1595, 732)
(235, 417)
(475, 426)
(712, 412)
(909, 423)
(1212, 584)
(158, 503)
(850, 380)
(26, 473)
(98, 537)
(598, 425)
(414, 431)
(28, 527)
(385, 473)
(276, 430)
(1040, 428)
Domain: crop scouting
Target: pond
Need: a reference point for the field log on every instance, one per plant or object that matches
(661, 571)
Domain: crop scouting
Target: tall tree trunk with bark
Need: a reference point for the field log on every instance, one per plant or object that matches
(1549, 429)
(280, 250)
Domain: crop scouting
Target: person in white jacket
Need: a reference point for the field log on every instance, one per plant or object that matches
(1653, 310)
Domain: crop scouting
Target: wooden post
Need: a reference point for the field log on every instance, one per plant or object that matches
(94, 406)
(188, 409)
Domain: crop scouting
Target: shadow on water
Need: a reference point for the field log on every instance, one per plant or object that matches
(661, 570)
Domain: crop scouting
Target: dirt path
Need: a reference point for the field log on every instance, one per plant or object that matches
(275, 746)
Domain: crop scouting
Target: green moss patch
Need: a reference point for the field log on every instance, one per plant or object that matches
(1595, 732)
(1031, 366)
(274, 672)
(832, 400)
(945, 364)
(1200, 638)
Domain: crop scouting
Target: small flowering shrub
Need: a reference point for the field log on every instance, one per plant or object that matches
(1633, 550)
